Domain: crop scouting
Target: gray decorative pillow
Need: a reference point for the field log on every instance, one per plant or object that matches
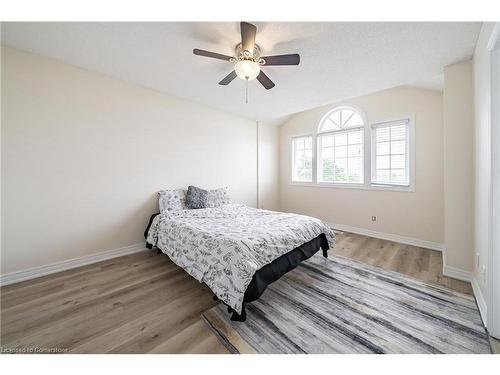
(196, 197)
(218, 197)
(172, 200)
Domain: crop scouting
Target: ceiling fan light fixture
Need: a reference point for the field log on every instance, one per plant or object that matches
(247, 59)
(247, 69)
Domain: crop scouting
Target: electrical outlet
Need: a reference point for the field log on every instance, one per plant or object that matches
(374, 218)
(477, 260)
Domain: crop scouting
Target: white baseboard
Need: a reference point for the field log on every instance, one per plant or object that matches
(31, 273)
(481, 302)
(456, 273)
(389, 237)
(460, 274)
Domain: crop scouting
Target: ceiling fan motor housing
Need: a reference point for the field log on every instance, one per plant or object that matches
(241, 54)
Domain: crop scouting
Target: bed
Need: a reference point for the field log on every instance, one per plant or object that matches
(236, 250)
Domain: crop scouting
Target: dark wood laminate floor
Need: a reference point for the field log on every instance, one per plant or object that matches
(143, 303)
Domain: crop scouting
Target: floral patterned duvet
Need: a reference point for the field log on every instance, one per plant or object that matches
(224, 246)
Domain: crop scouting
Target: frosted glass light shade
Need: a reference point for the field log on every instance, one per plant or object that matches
(247, 69)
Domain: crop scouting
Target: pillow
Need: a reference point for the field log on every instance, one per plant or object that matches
(218, 197)
(172, 200)
(196, 197)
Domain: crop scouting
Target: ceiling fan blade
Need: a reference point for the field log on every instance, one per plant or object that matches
(227, 79)
(293, 59)
(248, 32)
(201, 52)
(266, 82)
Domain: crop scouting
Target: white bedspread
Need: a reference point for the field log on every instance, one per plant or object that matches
(224, 246)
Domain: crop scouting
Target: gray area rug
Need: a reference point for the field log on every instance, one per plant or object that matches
(338, 305)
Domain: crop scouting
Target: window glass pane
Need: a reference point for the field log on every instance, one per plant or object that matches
(354, 150)
(327, 153)
(302, 159)
(355, 169)
(398, 176)
(383, 135)
(327, 170)
(341, 170)
(305, 175)
(355, 165)
(398, 132)
(340, 174)
(340, 151)
(383, 175)
(340, 139)
(356, 120)
(383, 148)
(326, 140)
(354, 178)
(355, 137)
(398, 162)
(341, 119)
(341, 163)
(335, 119)
(391, 154)
(398, 147)
(327, 125)
(346, 115)
(383, 162)
(299, 143)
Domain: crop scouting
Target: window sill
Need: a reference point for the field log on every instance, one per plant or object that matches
(409, 189)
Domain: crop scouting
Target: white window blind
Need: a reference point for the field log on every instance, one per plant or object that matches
(340, 158)
(302, 159)
(390, 153)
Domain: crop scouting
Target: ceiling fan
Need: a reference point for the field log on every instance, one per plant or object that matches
(248, 61)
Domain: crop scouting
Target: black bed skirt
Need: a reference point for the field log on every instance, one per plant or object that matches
(278, 267)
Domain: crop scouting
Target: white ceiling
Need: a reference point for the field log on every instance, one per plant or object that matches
(338, 60)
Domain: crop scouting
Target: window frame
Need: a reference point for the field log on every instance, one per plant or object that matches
(313, 177)
(368, 157)
(318, 133)
(410, 147)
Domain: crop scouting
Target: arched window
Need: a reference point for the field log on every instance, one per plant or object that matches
(340, 143)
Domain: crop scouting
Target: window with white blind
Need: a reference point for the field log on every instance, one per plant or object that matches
(391, 153)
(340, 147)
(347, 152)
(302, 164)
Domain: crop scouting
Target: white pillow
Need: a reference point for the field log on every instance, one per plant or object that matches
(218, 197)
(172, 200)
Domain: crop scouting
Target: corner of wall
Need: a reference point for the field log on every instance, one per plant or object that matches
(480, 300)
(468, 276)
(458, 130)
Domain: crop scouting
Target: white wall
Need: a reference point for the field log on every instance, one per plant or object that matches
(458, 109)
(268, 166)
(83, 155)
(269, 162)
(486, 271)
(419, 214)
(482, 154)
(493, 268)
